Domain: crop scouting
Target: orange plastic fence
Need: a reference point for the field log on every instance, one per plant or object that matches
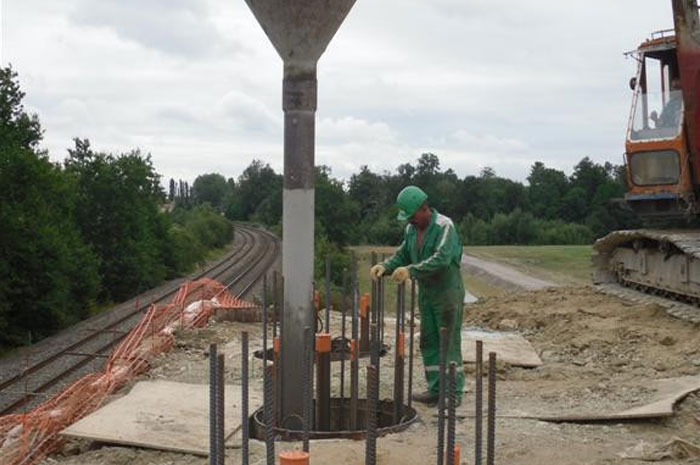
(27, 438)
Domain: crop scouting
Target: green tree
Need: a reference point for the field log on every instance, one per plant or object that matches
(48, 275)
(118, 214)
(211, 188)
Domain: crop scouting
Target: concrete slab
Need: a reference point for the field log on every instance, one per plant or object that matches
(510, 348)
(163, 415)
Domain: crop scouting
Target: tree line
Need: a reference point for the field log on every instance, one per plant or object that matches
(552, 208)
(78, 235)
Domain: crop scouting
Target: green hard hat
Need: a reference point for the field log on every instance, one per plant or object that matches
(409, 201)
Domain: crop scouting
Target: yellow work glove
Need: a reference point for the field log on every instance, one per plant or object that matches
(377, 271)
(401, 274)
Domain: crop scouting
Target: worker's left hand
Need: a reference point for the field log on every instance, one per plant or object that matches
(400, 274)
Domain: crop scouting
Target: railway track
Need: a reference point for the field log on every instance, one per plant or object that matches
(29, 380)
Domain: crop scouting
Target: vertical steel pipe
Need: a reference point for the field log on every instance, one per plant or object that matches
(411, 329)
(300, 32)
(451, 414)
(213, 385)
(220, 410)
(245, 421)
(372, 401)
(479, 402)
(441, 396)
(491, 415)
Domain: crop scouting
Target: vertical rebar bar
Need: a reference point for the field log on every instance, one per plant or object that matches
(278, 366)
(479, 402)
(213, 383)
(371, 436)
(343, 353)
(308, 375)
(411, 329)
(398, 356)
(245, 422)
(264, 332)
(355, 349)
(220, 410)
(276, 304)
(323, 382)
(441, 396)
(381, 312)
(327, 326)
(451, 414)
(491, 415)
(268, 412)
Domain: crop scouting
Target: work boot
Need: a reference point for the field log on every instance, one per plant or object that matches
(426, 398)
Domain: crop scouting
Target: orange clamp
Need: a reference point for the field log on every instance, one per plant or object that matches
(364, 305)
(401, 345)
(294, 457)
(276, 345)
(323, 343)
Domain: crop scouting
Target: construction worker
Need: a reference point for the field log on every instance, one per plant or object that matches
(430, 253)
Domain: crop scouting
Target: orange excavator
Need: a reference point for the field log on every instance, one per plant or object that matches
(663, 167)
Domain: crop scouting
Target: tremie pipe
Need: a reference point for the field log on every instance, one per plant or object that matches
(300, 32)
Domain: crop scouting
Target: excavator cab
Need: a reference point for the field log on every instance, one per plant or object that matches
(659, 174)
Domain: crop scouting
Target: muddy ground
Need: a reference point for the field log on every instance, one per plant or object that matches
(591, 344)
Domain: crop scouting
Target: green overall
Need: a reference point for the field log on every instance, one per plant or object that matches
(436, 268)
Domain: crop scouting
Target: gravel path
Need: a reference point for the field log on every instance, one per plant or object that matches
(502, 275)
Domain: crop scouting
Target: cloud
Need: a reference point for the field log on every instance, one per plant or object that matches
(177, 27)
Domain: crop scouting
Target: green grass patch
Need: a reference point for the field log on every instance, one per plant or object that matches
(564, 264)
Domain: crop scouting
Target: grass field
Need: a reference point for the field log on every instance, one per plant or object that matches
(561, 264)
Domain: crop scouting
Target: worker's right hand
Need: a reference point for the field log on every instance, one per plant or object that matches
(377, 271)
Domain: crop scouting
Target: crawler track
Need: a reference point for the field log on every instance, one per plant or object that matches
(60, 360)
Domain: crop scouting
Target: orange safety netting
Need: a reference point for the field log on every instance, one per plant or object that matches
(28, 437)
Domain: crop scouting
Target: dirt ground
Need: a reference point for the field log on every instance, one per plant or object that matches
(591, 345)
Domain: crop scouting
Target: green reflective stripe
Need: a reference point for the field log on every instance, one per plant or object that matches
(432, 368)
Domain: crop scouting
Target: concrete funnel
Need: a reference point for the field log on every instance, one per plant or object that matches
(300, 30)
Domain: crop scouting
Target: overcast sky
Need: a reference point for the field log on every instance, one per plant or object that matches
(499, 83)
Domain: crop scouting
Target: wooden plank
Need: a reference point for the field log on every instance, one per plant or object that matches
(510, 348)
(162, 415)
